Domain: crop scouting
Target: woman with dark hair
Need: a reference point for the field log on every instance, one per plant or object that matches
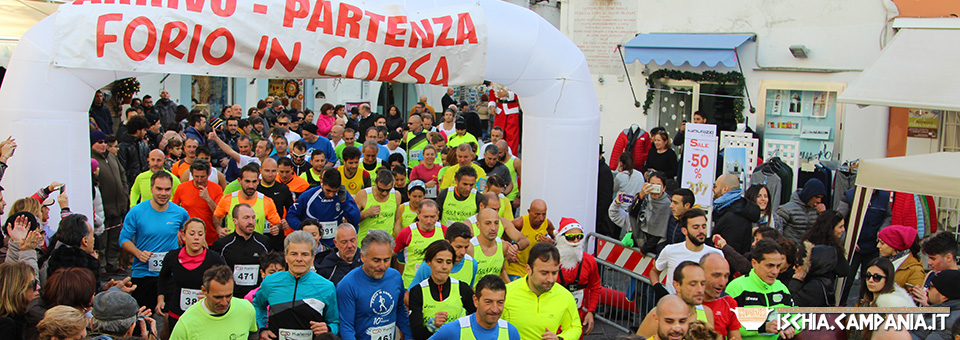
(759, 194)
(18, 286)
(899, 244)
(439, 299)
(627, 179)
(181, 274)
(326, 119)
(72, 287)
(880, 290)
(647, 217)
(662, 157)
(828, 230)
(394, 119)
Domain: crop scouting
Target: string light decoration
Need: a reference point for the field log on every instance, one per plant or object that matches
(733, 77)
(126, 87)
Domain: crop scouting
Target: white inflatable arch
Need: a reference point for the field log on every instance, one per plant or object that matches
(61, 61)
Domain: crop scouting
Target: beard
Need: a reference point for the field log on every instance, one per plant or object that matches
(570, 253)
(696, 241)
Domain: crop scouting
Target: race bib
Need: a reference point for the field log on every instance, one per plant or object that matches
(431, 192)
(328, 229)
(246, 274)
(295, 334)
(156, 261)
(385, 332)
(188, 297)
(416, 154)
(578, 297)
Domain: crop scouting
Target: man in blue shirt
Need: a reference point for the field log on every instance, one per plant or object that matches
(149, 232)
(371, 299)
(328, 203)
(315, 141)
(486, 323)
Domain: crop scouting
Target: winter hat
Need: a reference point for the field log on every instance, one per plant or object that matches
(460, 123)
(94, 165)
(814, 187)
(114, 304)
(310, 127)
(96, 136)
(567, 224)
(897, 236)
(946, 283)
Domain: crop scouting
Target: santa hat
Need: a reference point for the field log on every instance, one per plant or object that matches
(567, 224)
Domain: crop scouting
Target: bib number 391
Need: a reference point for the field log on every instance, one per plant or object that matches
(156, 261)
(328, 229)
(246, 274)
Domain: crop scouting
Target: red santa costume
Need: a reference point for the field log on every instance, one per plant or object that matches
(507, 116)
(578, 270)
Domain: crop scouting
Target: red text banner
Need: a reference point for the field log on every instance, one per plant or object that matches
(275, 39)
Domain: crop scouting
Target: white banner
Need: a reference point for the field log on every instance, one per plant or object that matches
(699, 161)
(275, 39)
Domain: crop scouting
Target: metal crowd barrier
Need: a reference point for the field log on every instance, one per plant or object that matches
(627, 295)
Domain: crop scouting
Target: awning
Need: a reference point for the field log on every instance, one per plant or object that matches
(929, 174)
(17, 17)
(696, 49)
(917, 69)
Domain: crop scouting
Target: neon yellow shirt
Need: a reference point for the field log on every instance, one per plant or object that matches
(449, 175)
(140, 190)
(197, 324)
(531, 314)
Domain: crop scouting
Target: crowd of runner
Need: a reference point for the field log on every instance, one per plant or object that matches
(289, 224)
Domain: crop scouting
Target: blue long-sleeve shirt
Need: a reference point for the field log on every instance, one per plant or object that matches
(283, 287)
(153, 231)
(323, 144)
(372, 307)
(313, 204)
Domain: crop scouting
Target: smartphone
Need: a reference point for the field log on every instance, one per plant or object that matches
(908, 285)
(625, 198)
(656, 188)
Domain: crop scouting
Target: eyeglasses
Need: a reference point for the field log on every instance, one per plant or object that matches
(874, 277)
(573, 237)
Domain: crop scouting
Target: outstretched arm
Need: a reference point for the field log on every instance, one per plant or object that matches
(224, 146)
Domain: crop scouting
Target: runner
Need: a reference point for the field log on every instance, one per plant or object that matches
(371, 299)
(243, 248)
(407, 213)
(149, 232)
(439, 299)
(302, 304)
(537, 228)
(413, 240)
(219, 314)
(487, 248)
(181, 276)
(328, 203)
(539, 306)
(378, 205)
(486, 323)
(464, 266)
(263, 206)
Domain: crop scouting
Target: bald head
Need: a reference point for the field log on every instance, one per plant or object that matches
(724, 183)
(268, 171)
(269, 162)
(487, 214)
(155, 160)
(716, 271)
(672, 305)
(538, 204)
(537, 212)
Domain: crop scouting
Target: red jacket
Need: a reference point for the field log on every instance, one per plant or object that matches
(640, 150)
(589, 280)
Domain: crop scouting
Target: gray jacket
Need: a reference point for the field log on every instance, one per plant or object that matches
(795, 217)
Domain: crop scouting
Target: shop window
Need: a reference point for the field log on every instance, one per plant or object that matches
(675, 95)
(211, 94)
(803, 111)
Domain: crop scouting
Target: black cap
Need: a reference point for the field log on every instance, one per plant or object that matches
(460, 123)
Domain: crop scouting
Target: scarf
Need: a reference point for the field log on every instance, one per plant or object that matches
(657, 213)
(898, 258)
(726, 199)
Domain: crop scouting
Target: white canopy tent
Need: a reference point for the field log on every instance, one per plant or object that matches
(930, 174)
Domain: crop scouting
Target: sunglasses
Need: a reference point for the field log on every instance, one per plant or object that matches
(574, 237)
(874, 277)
